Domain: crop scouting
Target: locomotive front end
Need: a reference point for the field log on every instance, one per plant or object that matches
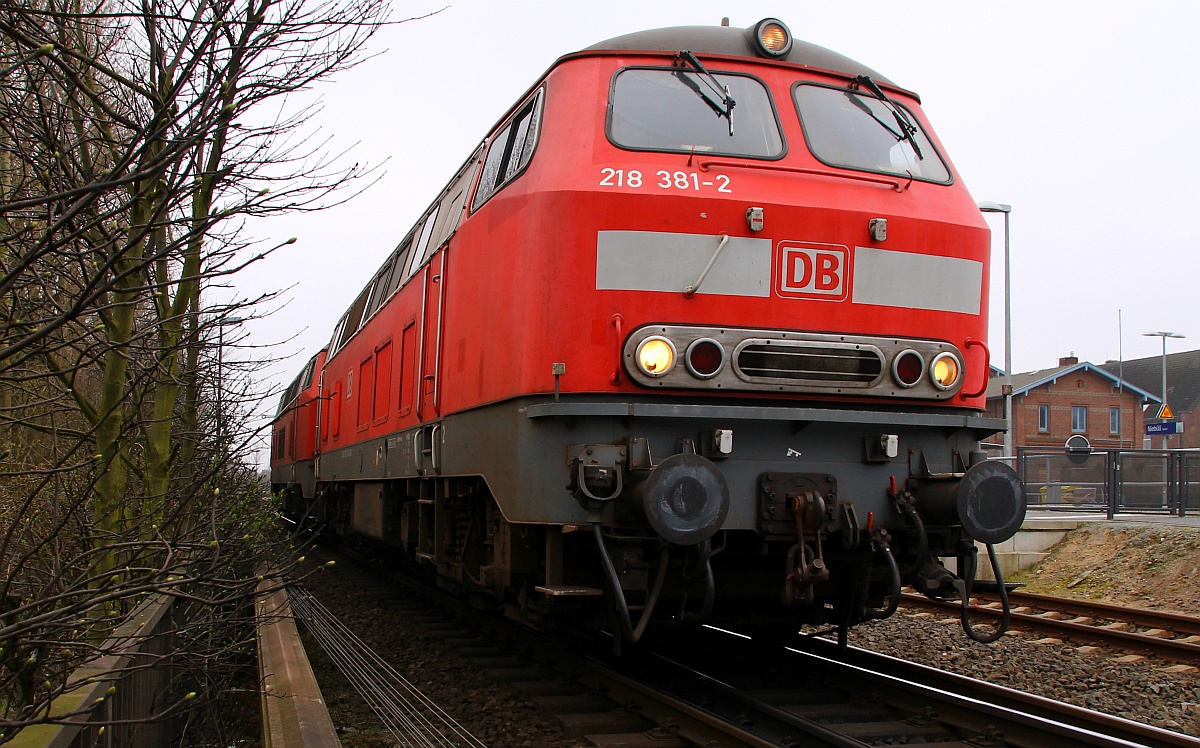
(797, 280)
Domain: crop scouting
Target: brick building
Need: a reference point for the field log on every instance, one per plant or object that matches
(1183, 391)
(1051, 405)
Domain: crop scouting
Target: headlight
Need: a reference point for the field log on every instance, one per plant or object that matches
(945, 371)
(656, 356)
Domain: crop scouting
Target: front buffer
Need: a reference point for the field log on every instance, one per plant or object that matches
(763, 516)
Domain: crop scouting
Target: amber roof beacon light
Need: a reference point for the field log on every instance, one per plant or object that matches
(772, 38)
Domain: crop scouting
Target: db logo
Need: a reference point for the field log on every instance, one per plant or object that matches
(814, 271)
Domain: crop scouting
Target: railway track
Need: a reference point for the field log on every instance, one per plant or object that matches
(1168, 635)
(879, 700)
(713, 688)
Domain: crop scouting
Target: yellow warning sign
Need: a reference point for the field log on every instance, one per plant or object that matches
(1165, 412)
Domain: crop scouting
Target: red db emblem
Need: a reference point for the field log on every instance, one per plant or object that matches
(814, 271)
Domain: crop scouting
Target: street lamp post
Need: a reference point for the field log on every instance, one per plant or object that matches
(1164, 336)
(989, 207)
(1166, 460)
(221, 377)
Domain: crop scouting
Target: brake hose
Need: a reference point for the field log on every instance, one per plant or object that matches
(632, 634)
(964, 590)
(910, 513)
(894, 597)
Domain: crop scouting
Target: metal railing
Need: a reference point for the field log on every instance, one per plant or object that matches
(111, 700)
(1144, 481)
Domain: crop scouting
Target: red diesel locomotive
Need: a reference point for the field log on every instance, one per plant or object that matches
(695, 335)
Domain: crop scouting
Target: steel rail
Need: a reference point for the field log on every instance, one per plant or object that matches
(1066, 724)
(709, 710)
(1174, 649)
(920, 694)
(1178, 622)
(673, 716)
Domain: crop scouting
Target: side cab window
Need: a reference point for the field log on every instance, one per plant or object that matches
(440, 223)
(510, 150)
(353, 318)
(306, 376)
(422, 250)
(454, 200)
(379, 289)
(337, 336)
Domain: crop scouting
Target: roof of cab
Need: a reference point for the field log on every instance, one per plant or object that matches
(722, 40)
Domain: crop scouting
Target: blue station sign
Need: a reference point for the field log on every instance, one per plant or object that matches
(1166, 427)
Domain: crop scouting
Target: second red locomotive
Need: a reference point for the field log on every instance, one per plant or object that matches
(696, 334)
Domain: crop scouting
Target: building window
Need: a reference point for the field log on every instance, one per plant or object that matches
(1079, 419)
(1114, 421)
(1043, 418)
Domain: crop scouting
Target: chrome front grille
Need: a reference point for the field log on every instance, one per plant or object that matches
(803, 362)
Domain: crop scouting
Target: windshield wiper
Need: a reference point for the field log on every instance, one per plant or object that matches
(857, 101)
(908, 130)
(723, 103)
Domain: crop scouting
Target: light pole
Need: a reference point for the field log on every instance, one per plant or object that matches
(989, 207)
(1164, 336)
(221, 322)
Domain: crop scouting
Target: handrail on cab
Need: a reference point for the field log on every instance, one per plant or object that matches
(987, 366)
(617, 321)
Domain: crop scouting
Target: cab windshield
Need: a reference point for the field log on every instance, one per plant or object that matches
(856, 130)
(665, 110)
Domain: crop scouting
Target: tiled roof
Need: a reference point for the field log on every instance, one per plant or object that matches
(1031, 380)
(1183, 377)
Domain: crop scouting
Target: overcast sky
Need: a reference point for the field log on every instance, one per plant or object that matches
(1084, 116)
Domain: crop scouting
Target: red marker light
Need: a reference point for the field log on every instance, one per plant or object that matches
(705, 358)
(908, 368)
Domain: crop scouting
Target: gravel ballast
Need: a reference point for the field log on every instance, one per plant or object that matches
(1146, 567)
(1143, 689)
